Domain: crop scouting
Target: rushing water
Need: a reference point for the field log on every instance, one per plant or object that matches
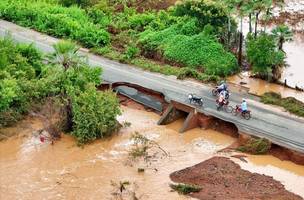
(30, 169)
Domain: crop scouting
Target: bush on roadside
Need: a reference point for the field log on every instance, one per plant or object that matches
(291, 104)
(56, 20)
(131, 52)
(201, 51)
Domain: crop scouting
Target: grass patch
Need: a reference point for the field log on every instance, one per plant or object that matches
(152, 66)
(290, 104)
(256, 146)
(185, 188)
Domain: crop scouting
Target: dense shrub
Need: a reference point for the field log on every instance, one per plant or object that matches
(82, 3)
(263, 54)
(206, 12)
(139, 21)
(19, 65)
(56, 20)
(201, 51)
(131, 52)
(180, 44)
(94, 114)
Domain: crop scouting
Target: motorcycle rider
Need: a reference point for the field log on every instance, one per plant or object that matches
(244, 106)
(221, 100)
(222, 87)
(224, 93)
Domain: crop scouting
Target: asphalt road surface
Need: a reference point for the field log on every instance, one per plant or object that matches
(268, 122)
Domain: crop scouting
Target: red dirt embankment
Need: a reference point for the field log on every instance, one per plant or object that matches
(221, 178)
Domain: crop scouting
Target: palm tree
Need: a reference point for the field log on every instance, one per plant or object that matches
(230, 9)
(66, 55)
(282, 34)
(249, 9)
(238, 7)
(260, 6)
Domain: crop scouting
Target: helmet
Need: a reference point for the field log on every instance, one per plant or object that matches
(244, 100)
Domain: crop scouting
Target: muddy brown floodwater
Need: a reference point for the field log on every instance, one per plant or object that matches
(259, 87)
(30, 169)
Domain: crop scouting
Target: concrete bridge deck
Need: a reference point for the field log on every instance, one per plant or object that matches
(279, 127)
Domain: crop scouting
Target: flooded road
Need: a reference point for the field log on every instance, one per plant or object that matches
(32, 170)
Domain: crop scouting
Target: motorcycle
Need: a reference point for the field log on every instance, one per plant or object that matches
(238, 109)
(224, 105)
(216, 92)
(194, 99)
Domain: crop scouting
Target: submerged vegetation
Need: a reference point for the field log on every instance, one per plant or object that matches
(26, 79)
(256, 146)
(290, 104)
(185, 188)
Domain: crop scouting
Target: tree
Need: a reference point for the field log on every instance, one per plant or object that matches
(282, 34)
(260, 6)
(65, 54)
(264, 57)
(89, 114)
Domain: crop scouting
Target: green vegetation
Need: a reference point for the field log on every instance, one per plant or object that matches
(190, 39)
(20, 66)
(67, 77)
(187, 35)
(282, 33)
(185, 188)
(56, 20)
(265, 58)
(200, 51)
(256, 146)
(94, 114)
(291, 104)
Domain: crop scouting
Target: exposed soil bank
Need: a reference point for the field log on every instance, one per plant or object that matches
(221, 178)
(287, 154)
